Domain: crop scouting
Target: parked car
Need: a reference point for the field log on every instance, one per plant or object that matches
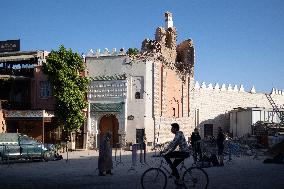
(20, 146)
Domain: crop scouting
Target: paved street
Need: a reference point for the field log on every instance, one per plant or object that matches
(80, 172)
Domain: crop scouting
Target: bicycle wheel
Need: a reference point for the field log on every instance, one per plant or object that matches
(154, 178)
(195, 177)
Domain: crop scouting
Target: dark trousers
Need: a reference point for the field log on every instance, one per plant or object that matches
(197, 151)
(179, 157)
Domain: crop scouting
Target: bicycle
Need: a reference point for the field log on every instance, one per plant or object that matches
(155, 177)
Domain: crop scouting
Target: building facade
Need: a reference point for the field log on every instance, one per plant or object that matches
(26, 97)
(136, 97)
(143, 94)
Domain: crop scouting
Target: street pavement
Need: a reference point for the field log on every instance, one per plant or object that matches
(79, 172)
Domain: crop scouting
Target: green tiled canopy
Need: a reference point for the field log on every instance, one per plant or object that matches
(108, 78)
(106, 107)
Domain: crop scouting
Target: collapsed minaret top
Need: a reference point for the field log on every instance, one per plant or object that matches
(168, 20)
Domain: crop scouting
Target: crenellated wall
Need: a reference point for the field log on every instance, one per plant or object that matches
(106, 52)
(211, 104)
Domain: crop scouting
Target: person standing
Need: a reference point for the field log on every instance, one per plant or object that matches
(220, 145)
(105, 156)
(195, 140)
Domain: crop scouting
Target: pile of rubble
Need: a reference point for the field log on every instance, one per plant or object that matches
(242, 146)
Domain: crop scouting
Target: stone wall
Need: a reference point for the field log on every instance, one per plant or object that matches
(211, 104)
(163, 128)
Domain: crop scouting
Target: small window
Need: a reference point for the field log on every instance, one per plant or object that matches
(45, 89)
(137, 95)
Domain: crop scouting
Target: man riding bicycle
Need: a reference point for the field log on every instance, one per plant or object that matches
(168, 152)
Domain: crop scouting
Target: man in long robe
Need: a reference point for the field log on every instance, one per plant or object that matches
(105, 156)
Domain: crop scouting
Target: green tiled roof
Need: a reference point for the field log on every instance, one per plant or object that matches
(106, 107)
(108, 78)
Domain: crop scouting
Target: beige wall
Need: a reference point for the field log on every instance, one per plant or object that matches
(212, 106)
(209, 106)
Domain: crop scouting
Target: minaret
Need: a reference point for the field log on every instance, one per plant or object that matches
(168, 20)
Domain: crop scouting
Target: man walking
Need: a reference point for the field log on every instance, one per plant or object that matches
(220, 145)
(195, 140)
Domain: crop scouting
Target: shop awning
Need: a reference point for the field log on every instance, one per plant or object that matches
(17, 58)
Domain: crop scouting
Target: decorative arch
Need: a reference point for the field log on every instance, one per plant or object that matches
(110, 123)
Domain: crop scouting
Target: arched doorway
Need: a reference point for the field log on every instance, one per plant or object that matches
(109, 123)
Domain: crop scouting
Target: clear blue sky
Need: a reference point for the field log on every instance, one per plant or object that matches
(236, 41)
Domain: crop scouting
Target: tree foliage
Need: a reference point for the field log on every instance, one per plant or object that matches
(69, 87)
(132, 51)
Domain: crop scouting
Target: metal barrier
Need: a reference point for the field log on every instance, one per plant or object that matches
(135, 148)
(118, 145)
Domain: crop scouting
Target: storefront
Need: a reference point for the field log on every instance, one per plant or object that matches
(39, 124)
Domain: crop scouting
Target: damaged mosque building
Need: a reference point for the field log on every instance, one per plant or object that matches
(138, 96)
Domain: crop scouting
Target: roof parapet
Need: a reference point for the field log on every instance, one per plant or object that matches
(277, 91)
(106, 52)
(223, 87)
(229, 88)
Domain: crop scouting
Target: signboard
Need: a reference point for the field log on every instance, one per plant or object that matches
(23, 113)
(10, 46)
